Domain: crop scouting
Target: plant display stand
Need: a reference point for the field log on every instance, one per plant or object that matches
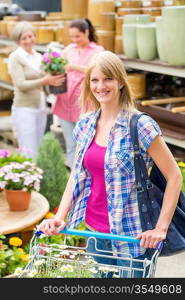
(22, 221)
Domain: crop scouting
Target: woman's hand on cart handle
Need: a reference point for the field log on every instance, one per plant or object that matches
(151, 238)
(52, 226)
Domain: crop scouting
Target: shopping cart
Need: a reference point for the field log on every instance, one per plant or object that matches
(53, 260)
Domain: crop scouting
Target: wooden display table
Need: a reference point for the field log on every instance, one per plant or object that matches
(22, 221)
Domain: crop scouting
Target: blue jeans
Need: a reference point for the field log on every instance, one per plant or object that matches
(67, 129)
(105, 244)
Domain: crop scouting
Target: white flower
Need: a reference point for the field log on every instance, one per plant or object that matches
(91, 261)
(9, 176)
(63, 269)
(65, 252)
(32, 273)
(56, 255)
(15, 178)
(36, 186)
(62, 246)
(18, 271)
(93, 270)
(39, 262)
(69, 268)
(3, 184)
(105, 269)
(81, 251)
(116, 275)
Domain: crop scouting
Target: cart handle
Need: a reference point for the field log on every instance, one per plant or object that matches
(102, 235)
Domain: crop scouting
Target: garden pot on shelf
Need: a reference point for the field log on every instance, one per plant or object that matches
(160, 39)
(59, 89)
(18, 200)
(174, 37)
(137, 19)
(146, 41)
(129, 40)
(129, 33)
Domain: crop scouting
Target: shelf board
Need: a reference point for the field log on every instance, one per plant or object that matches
(175, 142)
(155, 66)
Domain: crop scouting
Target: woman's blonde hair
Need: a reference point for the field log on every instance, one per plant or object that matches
(112, 66)
(20, 28)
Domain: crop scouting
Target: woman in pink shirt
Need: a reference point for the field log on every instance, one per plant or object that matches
(78, 54)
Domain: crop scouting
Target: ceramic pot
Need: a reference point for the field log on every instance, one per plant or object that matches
(146, 41)
(160, 39)
(137, 19)
(129, 33)
(59, 89)
(18, 200)
(129, 40)
(174, 37)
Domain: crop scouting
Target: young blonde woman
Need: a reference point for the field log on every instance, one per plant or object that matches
(101, 189)
(29, 104)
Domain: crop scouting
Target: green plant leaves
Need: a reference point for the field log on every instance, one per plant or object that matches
(55, 176)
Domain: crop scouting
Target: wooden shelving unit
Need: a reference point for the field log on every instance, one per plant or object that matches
(159, 67)
(155, 66)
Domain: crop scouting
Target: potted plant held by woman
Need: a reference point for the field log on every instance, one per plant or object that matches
(18, 181)
(54, 63)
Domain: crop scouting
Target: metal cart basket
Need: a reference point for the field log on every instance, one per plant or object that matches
(53, 260)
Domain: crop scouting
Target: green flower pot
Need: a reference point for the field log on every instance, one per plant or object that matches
(160, 39)
(174, 36)
(129, 33)
(137, 19)
(129, 40)
(146, 41)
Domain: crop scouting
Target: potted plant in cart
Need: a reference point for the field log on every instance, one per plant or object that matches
(54, 63)
(18, 181)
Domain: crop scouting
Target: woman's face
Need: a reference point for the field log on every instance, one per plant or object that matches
(27, 41)
(79, 38)
(105, 89)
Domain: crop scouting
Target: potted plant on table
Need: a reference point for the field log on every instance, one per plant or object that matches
(18, 181)
(54, 63)
(18, 155)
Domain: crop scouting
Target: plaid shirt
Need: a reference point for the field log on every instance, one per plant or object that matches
(121, 192)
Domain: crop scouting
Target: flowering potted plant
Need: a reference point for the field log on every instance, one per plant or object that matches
(18, 155)
(18, 181)
(54, 63)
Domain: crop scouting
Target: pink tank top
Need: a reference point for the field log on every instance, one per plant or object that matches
(97, 207)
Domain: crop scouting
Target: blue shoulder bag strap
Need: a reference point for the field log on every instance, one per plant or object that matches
(143, 181)
(141, 170)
